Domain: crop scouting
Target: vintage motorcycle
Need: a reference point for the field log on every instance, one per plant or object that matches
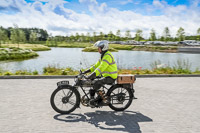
(66, 98)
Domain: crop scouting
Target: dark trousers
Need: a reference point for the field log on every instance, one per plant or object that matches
(99, 82)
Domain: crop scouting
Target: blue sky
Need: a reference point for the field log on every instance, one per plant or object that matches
(119, 4)
(66, 17)
(139, 6)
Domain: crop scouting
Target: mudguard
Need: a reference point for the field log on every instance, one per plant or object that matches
(129, 86)
(115, 85)
(65, 82)
(61, 86)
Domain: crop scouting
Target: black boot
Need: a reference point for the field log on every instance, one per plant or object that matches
(92, 100)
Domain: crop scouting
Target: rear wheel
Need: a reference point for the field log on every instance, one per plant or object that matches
(120, 98)
(65, 100)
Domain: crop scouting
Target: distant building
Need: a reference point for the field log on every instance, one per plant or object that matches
(133, 42)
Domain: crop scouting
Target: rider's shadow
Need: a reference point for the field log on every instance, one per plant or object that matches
(126, 121)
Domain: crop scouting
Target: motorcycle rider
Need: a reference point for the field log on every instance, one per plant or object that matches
(105, 68)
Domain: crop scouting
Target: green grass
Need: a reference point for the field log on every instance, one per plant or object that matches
(16, 54)
(69, 71)
(115, 47)
(34, 47)
(180, 67)
(166, 70)
(53, 70)
(121, 47)
(70, 45)
(156, 48)
(93, 49)
(75, 45)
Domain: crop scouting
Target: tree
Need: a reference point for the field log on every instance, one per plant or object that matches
(82, 37)
(77, 37)
(152, 35)
(180, 34)
(33, 36)
(166, 34)
(3, 35)
(198, 34)
(110, 36)
(88, 37)
(118, 35)
(22, 37)
(94, 36)
(17, 35)
(162, 38)
(138, 35)
(72, 38)
(42, 35)
(101, 36)
(127, 34)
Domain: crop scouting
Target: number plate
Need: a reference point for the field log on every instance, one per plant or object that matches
(63, 83)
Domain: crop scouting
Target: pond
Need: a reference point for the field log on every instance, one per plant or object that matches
(75, 58)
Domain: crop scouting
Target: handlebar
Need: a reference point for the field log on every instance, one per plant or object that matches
(80, 75)
(81, 79)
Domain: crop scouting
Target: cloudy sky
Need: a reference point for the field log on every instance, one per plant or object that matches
(66, 17)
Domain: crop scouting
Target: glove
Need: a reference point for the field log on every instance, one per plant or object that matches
(87, 71)
(91, 76)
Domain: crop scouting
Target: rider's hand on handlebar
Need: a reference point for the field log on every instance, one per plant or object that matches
(91, 76)
(87, 71)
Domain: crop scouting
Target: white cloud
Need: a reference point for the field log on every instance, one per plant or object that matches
(126, 2)
(89, 1)
(58, 20)
(94, 6)
(159, 4)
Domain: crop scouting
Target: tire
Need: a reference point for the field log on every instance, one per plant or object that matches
(120, 97)
(65, 96)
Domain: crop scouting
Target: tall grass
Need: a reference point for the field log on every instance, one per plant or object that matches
(53, 70)
(182, 64)
(180, 67)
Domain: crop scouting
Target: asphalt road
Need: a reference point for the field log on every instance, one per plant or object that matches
(164, 105)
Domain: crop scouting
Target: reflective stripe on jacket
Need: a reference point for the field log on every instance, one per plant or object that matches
(105, 66)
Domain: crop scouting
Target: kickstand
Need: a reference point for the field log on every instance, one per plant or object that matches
(134, 97)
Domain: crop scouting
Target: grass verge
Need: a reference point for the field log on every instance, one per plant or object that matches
(180, 68)
(34, 47)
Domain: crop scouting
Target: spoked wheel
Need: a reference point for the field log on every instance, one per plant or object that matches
(65, 100)
(120, 98)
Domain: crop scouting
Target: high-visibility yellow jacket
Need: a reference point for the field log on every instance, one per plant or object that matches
(105, 66)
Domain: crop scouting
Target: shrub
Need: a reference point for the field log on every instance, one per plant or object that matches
(7, 73)
(35, 72)
(22, 72)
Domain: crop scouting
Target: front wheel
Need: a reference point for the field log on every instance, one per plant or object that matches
(65, 100)
(120, 98)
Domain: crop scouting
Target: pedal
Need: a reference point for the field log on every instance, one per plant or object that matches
(92, 103)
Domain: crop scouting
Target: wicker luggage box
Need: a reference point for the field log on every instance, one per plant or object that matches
(125, 79)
